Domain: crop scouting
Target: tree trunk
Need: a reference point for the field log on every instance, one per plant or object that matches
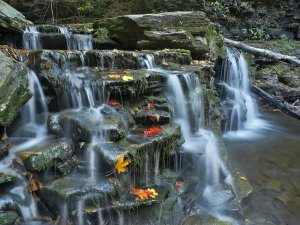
(263, 52)
(269, 99)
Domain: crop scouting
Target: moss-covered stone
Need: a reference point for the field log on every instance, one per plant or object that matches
(8, 218)
(52, 154)
(204, 220)
(14, 89)
(6, 179)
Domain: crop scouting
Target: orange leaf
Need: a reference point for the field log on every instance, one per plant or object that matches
(34, 185)
(149, 106)
(114, 76)
(178, 185)
(150, 132)
(113, 103)
(144, 194)
(152, 192)
(121, 164)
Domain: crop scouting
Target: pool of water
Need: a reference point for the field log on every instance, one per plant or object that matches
(272, 163)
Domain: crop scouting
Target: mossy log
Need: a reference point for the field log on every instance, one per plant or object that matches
(262, 52)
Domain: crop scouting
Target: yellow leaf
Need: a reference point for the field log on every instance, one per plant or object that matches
(114, 76)
(243, 178)
(81, 144)
(121, 164)
(127, 78)
(152, 193)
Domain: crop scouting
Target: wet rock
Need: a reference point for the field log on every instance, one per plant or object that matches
(6, 179)
(153, 117)
(12, 19)
(14, 89)
(9, 218)
(152, 31)
(242, 187)
(71, 190)
(50, 154)
(83, 124)
(204, 220)
(292, 81)
(4, 148)
(137, 146)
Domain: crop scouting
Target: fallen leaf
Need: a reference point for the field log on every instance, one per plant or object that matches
(114, 76)
(126, 71)
(121, 164)
(144, 194)
(113, 103)
(150, 132)
(152, 192)
(149, 106)
(81, 144)
(178, 185)
(155, 118)
(243, 178)
(127, 78)
(34, 185)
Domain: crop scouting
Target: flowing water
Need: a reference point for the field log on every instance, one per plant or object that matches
(32, 39)
(243, 116)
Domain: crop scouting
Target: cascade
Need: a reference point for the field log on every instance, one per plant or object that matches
(234, 77)
(32, 38)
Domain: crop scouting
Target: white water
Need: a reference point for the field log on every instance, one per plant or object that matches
(244, 116)
(31, 39)
(35, 106)
(186, 95)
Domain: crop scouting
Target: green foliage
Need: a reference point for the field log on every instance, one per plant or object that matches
(218, 6)
(256, 34)
(101, 33)
(214, 39)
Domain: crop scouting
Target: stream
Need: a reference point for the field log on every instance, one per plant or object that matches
(271, 162)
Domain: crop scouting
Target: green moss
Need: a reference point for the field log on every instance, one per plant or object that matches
(8, 218)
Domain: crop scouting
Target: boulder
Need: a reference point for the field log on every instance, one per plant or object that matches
(8, 218)
(14, 89)
(156, 31)
(11, 19)
(204, 220)
(6, 179)
(50, 154)
(86, 123)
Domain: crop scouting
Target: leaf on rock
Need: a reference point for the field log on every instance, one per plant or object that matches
(81, 144)
(113, 103)
(178, 185)
(34, 185)
(243, 178)
(127, 78)
(121, 164)
(149, 106)
(144, 194)
(126, 71)
(155, 118)
(150, 132)
(114, 76)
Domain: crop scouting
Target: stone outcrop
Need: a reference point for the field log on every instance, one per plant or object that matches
(11, 19)
(156, 31)
(14, 89)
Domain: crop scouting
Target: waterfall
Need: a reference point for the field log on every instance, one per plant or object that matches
(32, 39)
(189, 113)
(147, 61)
(241, 107)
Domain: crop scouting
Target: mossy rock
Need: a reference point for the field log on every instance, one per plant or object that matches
(9, 218)
(6, 179)
(204, 220)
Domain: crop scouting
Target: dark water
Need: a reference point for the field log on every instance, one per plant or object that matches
(272, 164)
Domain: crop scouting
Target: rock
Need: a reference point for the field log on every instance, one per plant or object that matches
(14, 89)
(292, 81)
(4, 148)
(71, 190)
(55, 153)
(218, 195)
(12, 19)
(156, 31)
(137, 146)
(243, 188)
(204, 220)
(6, 179)
(83, 124)
(9, 218)
(153, 117)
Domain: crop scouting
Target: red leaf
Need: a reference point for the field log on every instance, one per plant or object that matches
(113, 103)
(150, 132)
(178, 185)
(149, 106)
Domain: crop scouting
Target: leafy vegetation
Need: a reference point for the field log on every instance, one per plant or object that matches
(256, 34)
